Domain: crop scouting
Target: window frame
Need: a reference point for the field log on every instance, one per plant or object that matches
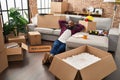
(42, 9)
(7, 10)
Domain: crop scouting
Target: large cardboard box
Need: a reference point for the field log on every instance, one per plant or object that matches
(16, 53)
(99, 70)
(34, 38)
(18, 39)
(88, 25)
(59, 7)
(49, 21)
(3, 61)
(2, 45)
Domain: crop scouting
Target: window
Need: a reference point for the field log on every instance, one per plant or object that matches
(43, 6)
(5, 5)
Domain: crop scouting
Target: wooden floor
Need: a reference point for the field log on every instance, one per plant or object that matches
(31, 68)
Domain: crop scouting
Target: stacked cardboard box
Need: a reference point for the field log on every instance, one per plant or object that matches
(99, 70)
(59, 7)
(18, 39)
(11, 35)
(88, 25)
(2, 46)
(15, 52)
(3, 56)
(34, 38)
(3, 61)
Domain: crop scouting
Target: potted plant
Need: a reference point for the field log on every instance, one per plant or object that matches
(17, 23)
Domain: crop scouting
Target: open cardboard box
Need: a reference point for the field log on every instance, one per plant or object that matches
(16, 54)
(99, 70)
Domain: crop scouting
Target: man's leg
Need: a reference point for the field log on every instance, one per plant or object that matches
(61, 48)
(48, 56)
(55, 47)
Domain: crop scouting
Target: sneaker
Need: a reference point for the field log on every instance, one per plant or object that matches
(50, 58)
(46, 58)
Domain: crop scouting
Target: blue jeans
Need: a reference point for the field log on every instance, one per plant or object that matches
(58, 47)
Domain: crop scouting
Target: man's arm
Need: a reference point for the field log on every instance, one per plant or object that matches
(62, 23)
(78, 28)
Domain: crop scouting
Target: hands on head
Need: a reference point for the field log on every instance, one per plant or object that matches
(71, 23)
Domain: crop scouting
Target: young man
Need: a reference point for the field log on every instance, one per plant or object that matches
(67, 30)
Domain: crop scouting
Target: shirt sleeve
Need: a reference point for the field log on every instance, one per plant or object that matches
(78, 28)
(62, 24)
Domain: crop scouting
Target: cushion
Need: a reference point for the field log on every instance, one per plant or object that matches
(44, 30)
(76, 19)
(114, 31)
(57, 32)
(31, 26)
(93, 40)
(103, 23)
(34, 19)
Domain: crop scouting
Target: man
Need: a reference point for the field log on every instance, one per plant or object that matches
(67, 30)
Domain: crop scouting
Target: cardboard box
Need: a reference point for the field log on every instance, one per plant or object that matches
(88, 25)
(2, 45)
(18, 39)
(3, 61)
(11, 35)
(99, 70)
(43, 48)
(49, 21)
(16, 54)
(34, 38)
(59, 7)
(1, 23)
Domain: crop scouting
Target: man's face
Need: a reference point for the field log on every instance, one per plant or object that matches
(70, 23)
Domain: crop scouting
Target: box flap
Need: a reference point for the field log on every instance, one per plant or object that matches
(97, 52)
(100, 69)
(62, 70)
(24, 46)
